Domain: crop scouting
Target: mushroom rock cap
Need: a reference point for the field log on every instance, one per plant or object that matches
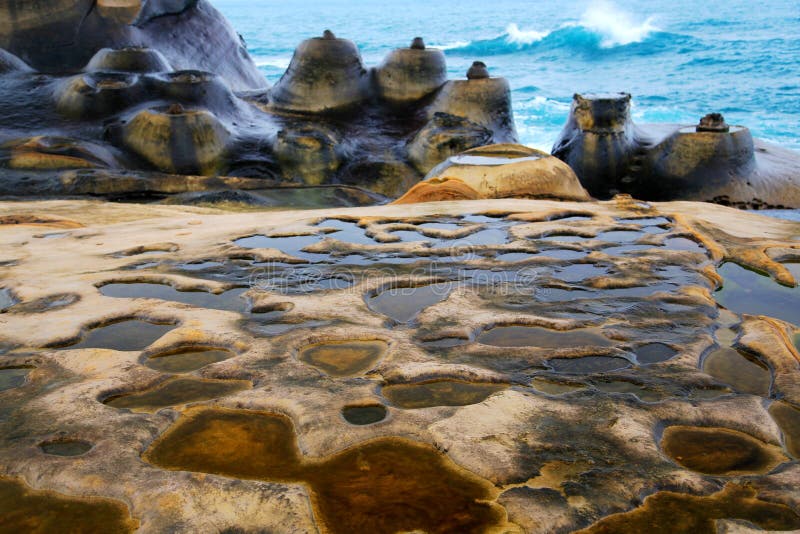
(128, 59)
(713, 122)
(308, 153)
(478, 71)
(325, 74)
(176, 140)
(98, 94)
(194, 87)
(509, 170)
(409, 74)
(57, 153)
(10, 63)
(486, 101)
(601, 113)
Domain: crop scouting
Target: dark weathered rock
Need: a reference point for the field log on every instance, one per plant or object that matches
(711, 161)
(598, 140)
(482, 99)
(444, 136)
(129, 59)
(409, 74)
(326, 74)
(63, 36)
(10, 63)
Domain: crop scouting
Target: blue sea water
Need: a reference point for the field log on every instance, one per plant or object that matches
(680, 58)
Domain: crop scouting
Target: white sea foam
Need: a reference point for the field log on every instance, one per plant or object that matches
(276, 62)
(617, 27)
(523, 37)
(451, 46)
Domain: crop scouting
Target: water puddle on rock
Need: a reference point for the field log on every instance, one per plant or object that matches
(228, 301)
(364, 415)
(579, 272)
(588, 364)
(385, 485)
(683, 244)
(788, 419)
(176, 392)
(200, 265)
(668, 512)
(127, 335)
(7, 299)
(620, 236)
(186, 359)
(555, 387)
(622, 386)
(624, 250)
(512, 257)
(719, 451)
(534, 336)
(13, 377)
(291, 245)
(654, 353)
(646, 221)
(745, 291)
(344, 358)
(439, 393)
(563, 254)
(347, 232)
(66, 447)
(403, 304)
(23, 509)
(564, 238)
(742, 372)
(271, 329)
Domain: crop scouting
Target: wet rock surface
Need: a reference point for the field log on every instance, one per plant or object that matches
(555, 373)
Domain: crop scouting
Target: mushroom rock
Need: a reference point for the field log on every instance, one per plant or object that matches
(56, 153)
(129, 59)
(500, 171)
(444, 136)
(194, 87)
(98, 94)
(598, 141)
(326, 74)
(307, 153)
(480, 98)
(11, 63)
(61, 36)
(410, 74)
(176, 140)
(711, 161)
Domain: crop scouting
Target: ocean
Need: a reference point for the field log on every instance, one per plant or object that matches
(680, 59)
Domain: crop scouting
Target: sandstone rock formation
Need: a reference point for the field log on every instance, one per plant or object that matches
(498, 171)
(494, 366)
(711, 162)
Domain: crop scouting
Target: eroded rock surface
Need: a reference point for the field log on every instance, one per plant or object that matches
(552, 376)
(711, 161)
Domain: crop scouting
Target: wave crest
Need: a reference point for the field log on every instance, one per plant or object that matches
(602, 26)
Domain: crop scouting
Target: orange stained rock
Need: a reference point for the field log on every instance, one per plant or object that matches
(384, 485)
(23, 509)
(437, 191)
(667, 512)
